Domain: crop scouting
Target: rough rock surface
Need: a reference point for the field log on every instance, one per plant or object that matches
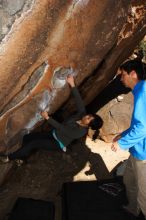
(91, 37)
(9, 12)
(114, 105)
(116, 116)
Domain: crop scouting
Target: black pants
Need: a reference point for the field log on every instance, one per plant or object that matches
(33, 142)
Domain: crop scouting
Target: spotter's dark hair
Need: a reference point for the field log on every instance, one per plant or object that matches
(137, 65)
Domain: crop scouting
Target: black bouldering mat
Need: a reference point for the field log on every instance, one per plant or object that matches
(94, 201)
(30, 209)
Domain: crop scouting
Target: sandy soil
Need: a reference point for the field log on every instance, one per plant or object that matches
(101, 157)
(44, 173)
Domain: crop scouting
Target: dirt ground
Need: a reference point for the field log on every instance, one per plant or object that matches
(44, 173)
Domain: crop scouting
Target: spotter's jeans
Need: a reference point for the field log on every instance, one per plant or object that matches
(135, 182)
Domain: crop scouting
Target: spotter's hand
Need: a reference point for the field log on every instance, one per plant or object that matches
(115, 146)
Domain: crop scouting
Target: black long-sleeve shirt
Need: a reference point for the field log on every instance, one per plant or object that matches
(70, 130)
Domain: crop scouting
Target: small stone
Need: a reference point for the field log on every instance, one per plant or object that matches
(120, 98)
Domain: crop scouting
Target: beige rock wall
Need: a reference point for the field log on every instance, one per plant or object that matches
(116, 116)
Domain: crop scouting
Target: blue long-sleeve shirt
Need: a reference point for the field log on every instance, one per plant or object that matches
(134, 138)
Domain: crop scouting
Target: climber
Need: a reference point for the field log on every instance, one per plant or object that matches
(63, 133)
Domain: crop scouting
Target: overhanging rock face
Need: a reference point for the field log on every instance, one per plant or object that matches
(44, 38)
